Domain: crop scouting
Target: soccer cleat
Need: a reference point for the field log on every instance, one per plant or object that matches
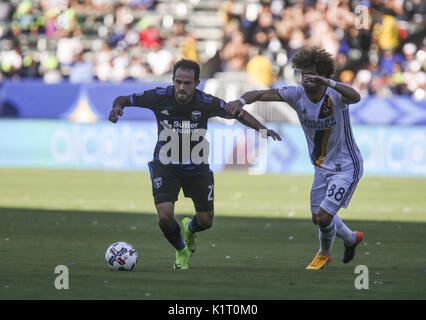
(320, 261)
(350, 250)
(189, 237)
(182, 259)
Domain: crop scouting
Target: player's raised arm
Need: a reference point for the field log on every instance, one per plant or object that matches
(248, 120)
(235, 108)
(349, 94)
(117, 107)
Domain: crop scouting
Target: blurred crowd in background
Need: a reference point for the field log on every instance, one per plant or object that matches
(379, 45)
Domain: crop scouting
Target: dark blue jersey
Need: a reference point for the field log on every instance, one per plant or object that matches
(181, 120)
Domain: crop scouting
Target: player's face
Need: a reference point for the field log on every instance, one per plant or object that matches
(184, 84)
(310, 84)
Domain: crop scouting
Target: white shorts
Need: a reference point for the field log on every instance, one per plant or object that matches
(332, 191)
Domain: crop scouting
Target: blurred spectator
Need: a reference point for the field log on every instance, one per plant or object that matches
(185, 43)
(347, 76)
(142, 4)
(120, 65)
(50, 68)
(67, 22)
(355, 46)
(322, 35)
(149, 35)
(178, 35)
(414, 77)
(138, 69)
(30, 66)
(409, 50)
(339, 13)
(245, 24)
(123, 15)
(82, 69)
(118, 35)
(188, 48)
(25, 20)
(6, 10)
(103, 6)
(226, 11)
(68, 49)
(296, 41)
(50, 16)
(235, 54)
(11, 61)
(292, 19)
(102, 61)
(362, 82)
(259, 69)
(263, 29)
(388, 61)
(159, 60)
(396, 80)
(386, 30)
(383, 55)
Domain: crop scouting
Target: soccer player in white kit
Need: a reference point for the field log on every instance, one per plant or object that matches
(322, 107)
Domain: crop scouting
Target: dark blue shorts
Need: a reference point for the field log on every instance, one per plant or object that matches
(197, 183)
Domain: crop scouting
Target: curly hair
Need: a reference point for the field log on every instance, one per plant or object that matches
(309, 56)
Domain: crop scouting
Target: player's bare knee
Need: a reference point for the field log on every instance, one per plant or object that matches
(324, 218)
(323, 224)
(323, 221)
(205, 219)
(314, 219)
(165, 214)
(207, 223)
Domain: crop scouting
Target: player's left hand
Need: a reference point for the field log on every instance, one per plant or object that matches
(115, 112)
(235, 108)
(272, 134)
(316, 78)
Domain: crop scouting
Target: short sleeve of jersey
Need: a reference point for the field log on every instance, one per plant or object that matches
(337, 98)
(217, 109)
(144, 99)
(290, 94)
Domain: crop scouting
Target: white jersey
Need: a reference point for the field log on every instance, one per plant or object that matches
(327, 129)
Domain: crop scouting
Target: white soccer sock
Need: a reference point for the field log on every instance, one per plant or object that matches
(343, 232)
(326, 237)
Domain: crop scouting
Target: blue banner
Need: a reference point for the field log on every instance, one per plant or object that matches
(386, 150)
(93, 101)
(76, 102)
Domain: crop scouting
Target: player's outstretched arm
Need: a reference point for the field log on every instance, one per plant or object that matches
(117, 108)
(235, 107)
(248, 120)
(349, 94)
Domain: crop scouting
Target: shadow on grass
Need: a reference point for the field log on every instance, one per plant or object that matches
(239, 258)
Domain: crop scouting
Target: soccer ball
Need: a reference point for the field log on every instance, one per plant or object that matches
(121, 256)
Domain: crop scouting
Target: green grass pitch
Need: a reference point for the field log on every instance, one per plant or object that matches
(258, 248)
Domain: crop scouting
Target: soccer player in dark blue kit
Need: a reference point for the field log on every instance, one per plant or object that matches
(182, 109)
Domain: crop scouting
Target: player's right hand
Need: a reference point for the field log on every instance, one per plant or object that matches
(115, 112)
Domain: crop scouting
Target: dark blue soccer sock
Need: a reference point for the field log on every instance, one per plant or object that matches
(173, 236)
(194, 225)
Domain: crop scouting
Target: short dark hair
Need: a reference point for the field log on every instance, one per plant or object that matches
(187, 65)
(321, 59)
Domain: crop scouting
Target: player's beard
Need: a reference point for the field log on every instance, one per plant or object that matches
(183, 97)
